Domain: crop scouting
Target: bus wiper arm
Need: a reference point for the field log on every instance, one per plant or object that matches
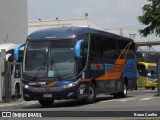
(38, 69)
(55, 68)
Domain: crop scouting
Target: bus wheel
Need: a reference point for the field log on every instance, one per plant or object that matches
(122, 94)
(153, 88)
(147, 87)
(46, 103)
(136, 88)
(91, 95)
(16, 95)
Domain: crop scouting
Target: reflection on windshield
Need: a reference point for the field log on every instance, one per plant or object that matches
(62, 59)
(36, 59)
(50, 59)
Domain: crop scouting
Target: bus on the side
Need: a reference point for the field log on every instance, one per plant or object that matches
(77, 63)
(147, 69)
(10, 71)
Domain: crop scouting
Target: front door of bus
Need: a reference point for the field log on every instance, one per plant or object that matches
(15, 79)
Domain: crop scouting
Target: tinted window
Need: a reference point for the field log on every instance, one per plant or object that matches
(141, 70)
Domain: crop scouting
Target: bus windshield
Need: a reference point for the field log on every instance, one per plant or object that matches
(50, 59)
(152, 71)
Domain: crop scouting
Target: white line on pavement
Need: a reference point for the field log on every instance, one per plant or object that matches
(145, 98)
(122, 100)
(21, 103)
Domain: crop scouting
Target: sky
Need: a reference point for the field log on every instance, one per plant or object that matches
(107, 14)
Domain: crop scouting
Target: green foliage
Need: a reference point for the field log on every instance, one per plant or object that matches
(150, 18)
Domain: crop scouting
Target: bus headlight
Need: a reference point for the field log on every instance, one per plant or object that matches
(26, 86)
(68, 85)
(71, 84)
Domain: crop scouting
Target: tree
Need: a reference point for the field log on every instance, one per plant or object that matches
(150, 18)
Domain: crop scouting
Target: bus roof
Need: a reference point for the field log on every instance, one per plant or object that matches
(7, 46)
(70, 32)
(147, 64)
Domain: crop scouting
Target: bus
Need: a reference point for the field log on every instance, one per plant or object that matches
(147, 69)
(10, 72)
(77, 63)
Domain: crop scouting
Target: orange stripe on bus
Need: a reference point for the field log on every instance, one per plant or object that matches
(85, 80)
(115, 72)
(49, 85)
(110, 76)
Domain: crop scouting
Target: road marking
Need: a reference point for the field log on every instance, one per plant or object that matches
(128, 99)
(122, 100)
(14, 104)
(145, 98)
(108, 100)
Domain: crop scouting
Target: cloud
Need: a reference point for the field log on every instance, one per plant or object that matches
(123, 4)
(129, 6)
(91, 6)
(110, 20)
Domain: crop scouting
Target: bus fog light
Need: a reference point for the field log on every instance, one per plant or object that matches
(70, 84)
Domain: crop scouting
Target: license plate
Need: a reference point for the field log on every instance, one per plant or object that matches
(47, 95)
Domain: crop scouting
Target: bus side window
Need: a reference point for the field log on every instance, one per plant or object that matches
(17, 73)
(141, 70)
(130, 55)
(83, 57)
(11, 69)
(95, 50)
(110, 52)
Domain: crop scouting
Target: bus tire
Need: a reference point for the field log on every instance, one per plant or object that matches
(122, 94)
(136, 88)
(46, 102)
(91, 95)
(153, 88)
(147, 87)
(17, 95)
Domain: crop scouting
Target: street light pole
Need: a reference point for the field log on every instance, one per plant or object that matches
(86, 16)
(57, 21)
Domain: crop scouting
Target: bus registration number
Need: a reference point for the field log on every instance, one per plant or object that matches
(47, 95)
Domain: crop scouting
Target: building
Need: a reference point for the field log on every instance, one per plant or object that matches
(13, 21)
(41, 24)
(13, 30)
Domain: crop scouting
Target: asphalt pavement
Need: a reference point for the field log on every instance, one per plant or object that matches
(138, 102)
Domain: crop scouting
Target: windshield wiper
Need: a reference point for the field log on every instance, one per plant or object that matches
(55, 69)
(38, 69)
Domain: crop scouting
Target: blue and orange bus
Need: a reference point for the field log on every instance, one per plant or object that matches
(77, 63)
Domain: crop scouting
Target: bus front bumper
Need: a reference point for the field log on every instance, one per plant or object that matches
(55, 93)
(151, 83)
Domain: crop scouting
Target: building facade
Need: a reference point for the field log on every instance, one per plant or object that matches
(41, 24)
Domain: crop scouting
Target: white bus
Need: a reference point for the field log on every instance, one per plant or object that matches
(10, 72)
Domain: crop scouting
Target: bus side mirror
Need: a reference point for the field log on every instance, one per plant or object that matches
(16, 51)
(78, 48)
